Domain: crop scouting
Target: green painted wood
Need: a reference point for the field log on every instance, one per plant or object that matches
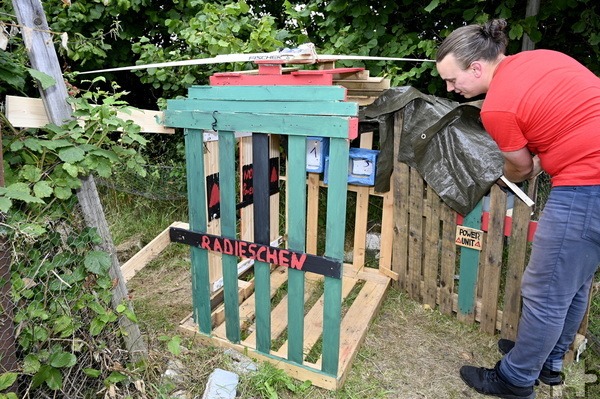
(266, 107)
(262, 270)
(196, 189)
(227, 181)
(334, 248)
(268, 93)
(303, 125)
(296, 231)
(469, 264)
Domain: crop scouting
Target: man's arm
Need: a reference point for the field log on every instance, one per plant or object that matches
(520, 165)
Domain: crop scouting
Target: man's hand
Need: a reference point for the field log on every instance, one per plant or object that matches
(520, 165)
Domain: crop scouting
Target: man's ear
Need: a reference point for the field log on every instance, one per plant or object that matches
(476, 68)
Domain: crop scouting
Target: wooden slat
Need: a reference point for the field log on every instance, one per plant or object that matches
(492, 256)
(358, 319)
(362, 212)
(336, 108)
(296, 200)
(313, 321)
(517, 253)
(262, 234)
(301, 125)
(247, 212)
(334, 248)
(247, 308)
(448, 260)
(196, 189)
(401, 194)
(150, 251)
(312, 213)
(211, 168)
(29, 112)
(228, 229)
(415, 235)
(431, 258)
(387, 234)
(268, 93)
(469, 263)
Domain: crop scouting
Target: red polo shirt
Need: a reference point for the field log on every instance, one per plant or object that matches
(549, 102)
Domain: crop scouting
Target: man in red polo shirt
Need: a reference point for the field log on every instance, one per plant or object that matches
(543, 110)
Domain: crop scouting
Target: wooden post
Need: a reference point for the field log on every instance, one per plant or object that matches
(42, 55)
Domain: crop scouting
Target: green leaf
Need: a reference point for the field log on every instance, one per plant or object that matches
(432, 5)
(92, 372)
(63, 193)
(7, 379)
(5, 204)
(49, 375)
(42, 189)
(71, 154)
(174, 345)
(72, 170)
(63, 359)
(20, 191)
(31, 364)
(97, 262)
(116, 377)
(45, 80)
(31, 173)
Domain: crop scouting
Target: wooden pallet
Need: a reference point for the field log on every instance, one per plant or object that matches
(367, 287)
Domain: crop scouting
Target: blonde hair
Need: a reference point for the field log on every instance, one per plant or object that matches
(475, 42)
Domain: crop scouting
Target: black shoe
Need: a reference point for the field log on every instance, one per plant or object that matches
(489, 382)
(547, 376)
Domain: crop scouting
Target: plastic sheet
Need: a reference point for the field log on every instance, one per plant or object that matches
(444, 140)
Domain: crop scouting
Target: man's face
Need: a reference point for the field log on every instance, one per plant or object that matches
(466, 82)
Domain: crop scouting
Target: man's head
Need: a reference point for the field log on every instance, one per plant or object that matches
(467, 58)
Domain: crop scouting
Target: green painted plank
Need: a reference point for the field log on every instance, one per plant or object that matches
(334, 248)
(227, 179)
(296, 231)
(469, 263)
(302, 125)
(196, 189)
(268, 93)
(335, 108)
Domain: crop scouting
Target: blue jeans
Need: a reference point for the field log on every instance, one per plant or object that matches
(556, 283)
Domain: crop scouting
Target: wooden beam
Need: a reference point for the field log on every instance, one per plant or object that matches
(30, 113)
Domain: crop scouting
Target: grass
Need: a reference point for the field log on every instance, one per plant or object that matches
(409, 352)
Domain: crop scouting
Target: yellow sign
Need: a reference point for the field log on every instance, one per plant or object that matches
(468, 237)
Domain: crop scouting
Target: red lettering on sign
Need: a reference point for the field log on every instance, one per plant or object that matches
(217, 246)
(259, 254)
(214, 196)
(284, 258)
(205, 243)
(227, 247)
(248, 173)
(298, 263)
(242, 249)
(272, 256)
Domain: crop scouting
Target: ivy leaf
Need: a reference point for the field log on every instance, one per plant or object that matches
(97, 262)
(42, 189)
(33, 144)
(62, 359)
(7, 379)
(45, 80)
(71, 154)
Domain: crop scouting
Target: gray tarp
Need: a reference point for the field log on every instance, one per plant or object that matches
(444, 140)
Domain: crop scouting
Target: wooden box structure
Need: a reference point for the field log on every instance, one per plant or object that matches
(248, 320)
